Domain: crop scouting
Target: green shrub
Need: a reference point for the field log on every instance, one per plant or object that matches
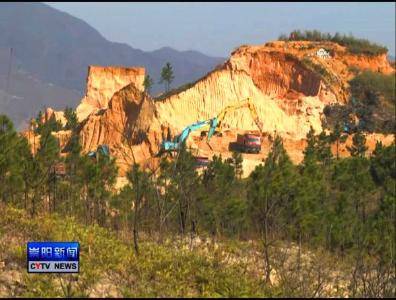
(374, 103)
(368, 83)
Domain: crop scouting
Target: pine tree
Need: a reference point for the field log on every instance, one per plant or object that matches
(237, 161)
(52, 124)
(140, 189)
(354, 191)
(12, 152)
(120, 203)
(340, 217)
(358, 147)
(381, 239)
(310, 149)
(148, 84)
(337, 137)
(185, 181)
(48, 151)
(38, 122)
(167, 76)
(71, 118)
(7, 139)
(324, 148)
(270, 191)
(105, 177)
(41, 175)
(74, 164)
(307, 207)
(221, 211)
(165, 196)
(26, 165)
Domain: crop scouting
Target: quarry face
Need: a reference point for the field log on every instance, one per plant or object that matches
(278, 77)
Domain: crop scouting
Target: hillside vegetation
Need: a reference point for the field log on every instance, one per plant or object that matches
(353, 44)
(322, 228)
(164, 270)
(372, 101)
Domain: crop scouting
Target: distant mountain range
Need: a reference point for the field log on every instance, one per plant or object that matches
(51, 51)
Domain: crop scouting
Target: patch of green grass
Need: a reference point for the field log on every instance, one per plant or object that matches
(329, 79)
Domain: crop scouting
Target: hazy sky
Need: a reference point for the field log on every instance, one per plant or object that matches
(217, 28)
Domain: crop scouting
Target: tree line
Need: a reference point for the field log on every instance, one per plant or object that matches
(54, 125)
(353, 44)
(343, 205)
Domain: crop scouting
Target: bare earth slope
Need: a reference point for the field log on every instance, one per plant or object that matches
(287, 81)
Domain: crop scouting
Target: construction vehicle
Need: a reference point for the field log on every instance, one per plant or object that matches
(102, 149)
(218, 121)
(58, 169)
(201, 161)
(351, 127)
(212, 126)
(352, 124)
(347, 128)
(168, 146)
(249, 143)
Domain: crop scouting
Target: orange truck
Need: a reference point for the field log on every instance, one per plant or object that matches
(249, 143)
(201, 161)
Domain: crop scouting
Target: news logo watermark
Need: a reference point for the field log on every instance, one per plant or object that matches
(53, 257)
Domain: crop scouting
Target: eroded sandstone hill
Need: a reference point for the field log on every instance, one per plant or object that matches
(288, 82)
(102, 83)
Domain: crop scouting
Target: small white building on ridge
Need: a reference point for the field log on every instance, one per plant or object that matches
(322, 53)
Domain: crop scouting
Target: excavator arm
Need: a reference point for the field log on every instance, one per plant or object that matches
(176, 143)
(255, 117)
(211, 125)
(186, 131)
(218, 121)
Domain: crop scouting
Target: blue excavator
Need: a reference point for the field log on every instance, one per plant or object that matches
(209, 125)
(102, 149)
(168, 146)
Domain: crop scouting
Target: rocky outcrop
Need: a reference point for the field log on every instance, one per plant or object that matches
(129, 127)
(127, 119)
(102, 83)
